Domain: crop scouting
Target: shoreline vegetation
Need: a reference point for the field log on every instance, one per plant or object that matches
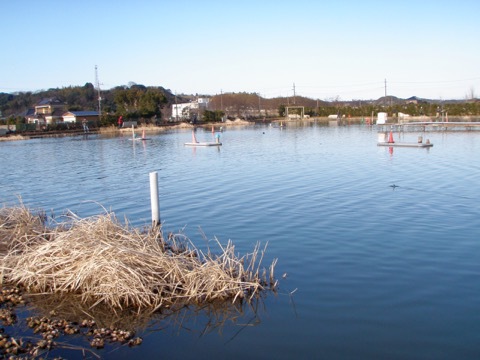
(107, 130)
(98, 275)
(149, 128)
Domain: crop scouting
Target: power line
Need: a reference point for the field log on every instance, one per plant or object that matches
(97, 83)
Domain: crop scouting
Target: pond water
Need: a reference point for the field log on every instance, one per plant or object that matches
(371, 270)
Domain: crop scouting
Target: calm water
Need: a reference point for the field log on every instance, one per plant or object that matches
(375, 271)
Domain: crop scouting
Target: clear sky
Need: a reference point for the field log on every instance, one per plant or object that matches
(324, 50)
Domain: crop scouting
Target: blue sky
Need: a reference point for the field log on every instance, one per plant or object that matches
(328, 49)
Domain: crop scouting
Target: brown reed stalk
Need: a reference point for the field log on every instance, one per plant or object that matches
(18, 225)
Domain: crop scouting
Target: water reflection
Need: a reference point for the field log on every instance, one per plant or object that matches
(201, 319)
(381, 272)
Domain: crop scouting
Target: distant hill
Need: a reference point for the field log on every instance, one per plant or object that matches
(233, 104)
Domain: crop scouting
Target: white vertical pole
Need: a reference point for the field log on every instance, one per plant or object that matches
(154, 198)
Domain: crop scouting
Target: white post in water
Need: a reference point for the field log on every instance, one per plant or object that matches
(154, 198)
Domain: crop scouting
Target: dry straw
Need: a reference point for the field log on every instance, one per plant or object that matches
(105, 262)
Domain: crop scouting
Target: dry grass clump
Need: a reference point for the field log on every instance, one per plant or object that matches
(13, 137)
(19, 225)
(106, 262)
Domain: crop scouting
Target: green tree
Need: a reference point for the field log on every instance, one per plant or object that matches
(139, 101)
(150, 103)
(89, 92)
(212, 116)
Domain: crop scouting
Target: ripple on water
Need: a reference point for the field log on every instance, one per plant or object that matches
(377, 271)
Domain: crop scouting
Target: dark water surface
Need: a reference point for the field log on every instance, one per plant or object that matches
(376, 271)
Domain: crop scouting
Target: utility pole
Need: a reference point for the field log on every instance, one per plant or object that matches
(259, 111)
(293, 93)
(176, 107)
(97, 83)
(385, 91)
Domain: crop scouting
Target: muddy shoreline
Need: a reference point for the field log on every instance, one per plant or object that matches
(115, 130)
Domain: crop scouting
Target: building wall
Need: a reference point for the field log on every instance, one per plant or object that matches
(183, 111)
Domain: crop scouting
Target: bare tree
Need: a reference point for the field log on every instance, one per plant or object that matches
(471, 94)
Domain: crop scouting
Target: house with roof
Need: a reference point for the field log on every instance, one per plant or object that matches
(47, 111)
(79, 116)
(50, 111)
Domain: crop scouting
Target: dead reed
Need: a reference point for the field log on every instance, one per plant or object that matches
(20, 225)
(105, 262)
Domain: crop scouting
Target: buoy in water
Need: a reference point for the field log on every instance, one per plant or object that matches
(390, 138)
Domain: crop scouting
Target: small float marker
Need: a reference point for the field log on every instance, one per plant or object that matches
(134, 136)
(195, 142)
(390, 138)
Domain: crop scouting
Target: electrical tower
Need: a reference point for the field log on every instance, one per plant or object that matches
(293, 93)
(97, 83)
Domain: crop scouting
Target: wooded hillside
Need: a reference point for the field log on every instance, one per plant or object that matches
(141, 102)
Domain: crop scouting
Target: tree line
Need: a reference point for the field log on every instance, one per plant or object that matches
(131, 102)
(253, 105)
(153, 104)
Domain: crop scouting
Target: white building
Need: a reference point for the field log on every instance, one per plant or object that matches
(382, 118)
(184, 111)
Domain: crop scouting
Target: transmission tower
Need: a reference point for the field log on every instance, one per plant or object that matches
(293, 93)
(97, 83)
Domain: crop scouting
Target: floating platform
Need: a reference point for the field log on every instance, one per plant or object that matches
(135, 138)
(385, 139)
(203, 144)
(434, 126)
(139, 139)
(420, 145)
